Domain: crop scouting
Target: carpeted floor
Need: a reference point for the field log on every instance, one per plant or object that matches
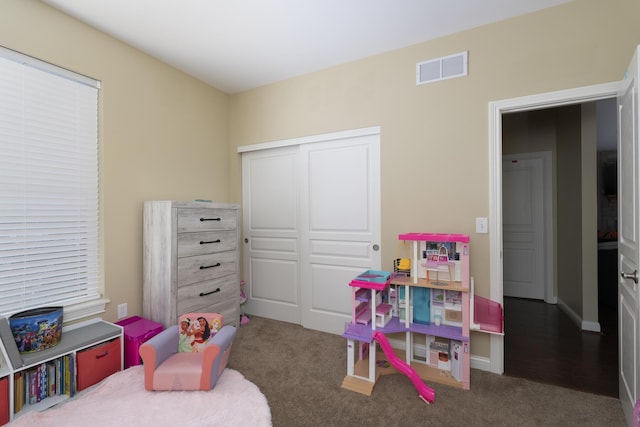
(121, 400)
(300, 372)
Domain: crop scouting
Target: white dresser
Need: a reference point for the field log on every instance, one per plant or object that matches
(191, 259)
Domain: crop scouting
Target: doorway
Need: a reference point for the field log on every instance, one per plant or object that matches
(544, 341)
(496, 111)
(543, 344)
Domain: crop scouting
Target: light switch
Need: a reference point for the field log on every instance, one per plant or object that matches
(482, 225)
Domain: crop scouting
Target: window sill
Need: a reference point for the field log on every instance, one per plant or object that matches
(84, 309)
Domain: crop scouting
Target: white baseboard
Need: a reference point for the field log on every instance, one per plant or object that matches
(591, 326)
(481, 363)
(581, 323)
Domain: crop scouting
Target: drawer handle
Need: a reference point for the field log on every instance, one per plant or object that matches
(203, 294)
(205, 242)
(203, 267)
(101, 355)
(210, 219)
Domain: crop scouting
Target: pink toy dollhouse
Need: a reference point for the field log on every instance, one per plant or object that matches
(431, 316)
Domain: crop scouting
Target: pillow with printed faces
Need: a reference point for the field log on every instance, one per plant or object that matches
(196, 329)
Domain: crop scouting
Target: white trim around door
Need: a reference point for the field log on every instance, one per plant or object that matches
(333, 136)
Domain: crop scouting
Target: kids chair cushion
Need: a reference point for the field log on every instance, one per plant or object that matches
(196, 329)
(166, 368)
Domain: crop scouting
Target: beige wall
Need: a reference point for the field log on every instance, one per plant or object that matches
(569, 208)
(589, 188)
(168, 136)
(428, 130)
(164, 134)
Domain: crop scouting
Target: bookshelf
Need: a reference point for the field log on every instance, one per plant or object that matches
(36, 381)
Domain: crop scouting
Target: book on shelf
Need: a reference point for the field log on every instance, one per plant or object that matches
(72, 375)
(33, 386)
(18, 392)
(43, 381)
(67, 377)
(51, 375)
(60, 375)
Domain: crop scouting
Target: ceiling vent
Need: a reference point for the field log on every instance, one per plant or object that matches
(443, 68)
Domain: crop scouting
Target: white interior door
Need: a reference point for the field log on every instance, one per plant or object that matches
(271, 248)
(340, 224)
(523, 210)
(311, 223)
(628, 225)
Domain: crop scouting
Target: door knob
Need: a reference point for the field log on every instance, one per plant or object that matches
(376, 247)
(633, 276)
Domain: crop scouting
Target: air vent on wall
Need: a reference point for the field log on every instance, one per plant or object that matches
(443, 68)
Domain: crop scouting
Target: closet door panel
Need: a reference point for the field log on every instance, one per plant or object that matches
(271, 242)
(340, 226)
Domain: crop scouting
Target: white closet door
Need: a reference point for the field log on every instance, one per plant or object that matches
(271, 233)
(311, 222)
(340, 226)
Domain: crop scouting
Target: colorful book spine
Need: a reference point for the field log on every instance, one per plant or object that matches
(72, 376)
(67, 387)
(59, 376)
(33, 386)
(51, 376)
(18, 393)
(42, 392)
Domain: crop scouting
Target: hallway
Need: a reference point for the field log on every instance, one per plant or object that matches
(542, 344)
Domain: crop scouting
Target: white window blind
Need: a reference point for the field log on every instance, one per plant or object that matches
(49, 205)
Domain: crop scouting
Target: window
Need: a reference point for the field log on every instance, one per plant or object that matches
(49, 201)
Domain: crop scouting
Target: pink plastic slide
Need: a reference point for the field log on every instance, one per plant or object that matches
(426, 393)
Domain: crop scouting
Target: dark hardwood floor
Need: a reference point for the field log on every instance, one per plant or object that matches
(542, 344)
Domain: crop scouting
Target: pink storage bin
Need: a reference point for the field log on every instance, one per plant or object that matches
(137, 331)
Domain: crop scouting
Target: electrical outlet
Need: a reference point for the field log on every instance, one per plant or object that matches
(122, 310)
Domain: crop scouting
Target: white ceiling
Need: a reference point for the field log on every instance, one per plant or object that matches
(237, 45)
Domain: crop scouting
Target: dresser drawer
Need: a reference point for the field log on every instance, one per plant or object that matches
(205, 267)
(197, 296)
(229, 311)
(206, 219)
(190, 244)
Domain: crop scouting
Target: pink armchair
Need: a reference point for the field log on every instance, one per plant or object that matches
(167, 368)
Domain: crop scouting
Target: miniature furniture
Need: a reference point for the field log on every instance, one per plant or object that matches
(191, 260)
(486, 315)
(437, 261)
(432, 315)
(87, 353)
(168, 366)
